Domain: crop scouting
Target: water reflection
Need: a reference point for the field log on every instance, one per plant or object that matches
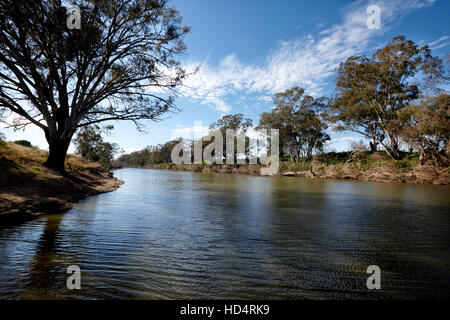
(45, 273)
(179, 235)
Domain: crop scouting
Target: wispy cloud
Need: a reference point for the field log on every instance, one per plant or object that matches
(308, 61)
(440, 43)
(344, 143)
(197, 131)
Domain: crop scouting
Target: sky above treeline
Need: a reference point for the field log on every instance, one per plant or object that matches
(249, 50)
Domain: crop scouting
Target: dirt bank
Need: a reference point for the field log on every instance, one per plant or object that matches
(29, 189)
(383, 171)
(417, 175)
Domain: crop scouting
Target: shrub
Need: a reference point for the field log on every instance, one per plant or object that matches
(404, 165)
(295, 166)
(333, 158)
(24, 143)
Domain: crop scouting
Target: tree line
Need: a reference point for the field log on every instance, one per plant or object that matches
(64, 80)
(394, 99)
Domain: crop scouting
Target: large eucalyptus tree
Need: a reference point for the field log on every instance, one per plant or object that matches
(371, 92)
(116, 63)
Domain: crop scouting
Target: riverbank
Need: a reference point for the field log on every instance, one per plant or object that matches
(367, 167)
(29, 189)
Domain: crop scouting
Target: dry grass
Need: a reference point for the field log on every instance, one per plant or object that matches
(28, 188)
(30, 160)
(361, 166)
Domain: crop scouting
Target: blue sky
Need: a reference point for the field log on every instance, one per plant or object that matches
(248, 50)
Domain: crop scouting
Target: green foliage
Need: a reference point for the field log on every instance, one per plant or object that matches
(86, 143)
(407, 163)
(232, 121)
(403, 165)
(152, 155)
(366, 164)
(239, 125)
(77, 167)
(298, 117)
(426, 127)
(24, 143)
(295, 166)
(90, 145)
(202, 165)
(371, 92)
(333, 158)
(36, 168)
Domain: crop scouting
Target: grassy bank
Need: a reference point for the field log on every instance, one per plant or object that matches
(359, 166)
(28, 188)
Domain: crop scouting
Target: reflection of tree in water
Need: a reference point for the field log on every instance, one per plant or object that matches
(47, 269)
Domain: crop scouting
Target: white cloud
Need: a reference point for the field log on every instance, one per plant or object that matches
(31, 133)
(439, 43)
(438, 40)
(343, 143)
(197, 131)
(307, 62)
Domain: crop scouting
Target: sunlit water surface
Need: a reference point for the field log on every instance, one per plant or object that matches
(182, 235)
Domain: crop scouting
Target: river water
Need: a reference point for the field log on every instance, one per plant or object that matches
(184, 235)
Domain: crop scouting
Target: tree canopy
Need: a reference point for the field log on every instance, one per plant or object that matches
(90, 145)
(426, 127)
(372, 91)
(298, 118)
(120, 65)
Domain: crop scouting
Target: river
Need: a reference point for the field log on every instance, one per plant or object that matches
(184, 235)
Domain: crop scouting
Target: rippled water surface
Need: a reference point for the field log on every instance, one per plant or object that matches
(180, 235)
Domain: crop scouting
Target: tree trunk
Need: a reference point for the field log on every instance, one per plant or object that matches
(57, 155)
(421, 156)
(373, 145)
(391, 152)
(396, 151)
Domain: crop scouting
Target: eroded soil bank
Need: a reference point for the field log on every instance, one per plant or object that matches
(29, 189)
(426, 174)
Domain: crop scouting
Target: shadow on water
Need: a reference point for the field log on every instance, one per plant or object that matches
(46, 276)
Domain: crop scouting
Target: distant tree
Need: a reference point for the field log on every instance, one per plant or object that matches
(240, 126)
(2, 136)
(148, 156)
(163, 152)
(86, 142)
(371, 91)
(113, 68)
(359, 146)
(24, 143)
(298, 118)
(91, 146)
(232, 121)
(106, 152)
